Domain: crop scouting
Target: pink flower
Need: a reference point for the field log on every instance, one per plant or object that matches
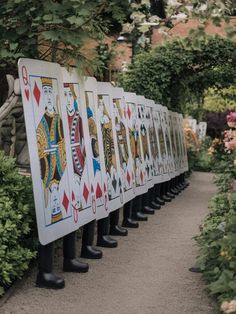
(231, 117)
(231, 144)
(234, 185)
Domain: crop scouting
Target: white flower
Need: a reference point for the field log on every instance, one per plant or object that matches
(127, 28)
(180, 17)
(203, 7)
(138, 17)
(174, 3)
(146, 2)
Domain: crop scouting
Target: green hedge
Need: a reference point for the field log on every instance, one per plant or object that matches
(18, 238)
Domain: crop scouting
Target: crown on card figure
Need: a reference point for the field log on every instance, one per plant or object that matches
(46, 81)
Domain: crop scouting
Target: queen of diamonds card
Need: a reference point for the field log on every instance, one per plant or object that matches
(41, 86)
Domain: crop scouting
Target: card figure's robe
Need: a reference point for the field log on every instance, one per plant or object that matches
(144, 138)
(52, 155)
(153, 143)
(122, 143)
(108, 142)
(77, 143)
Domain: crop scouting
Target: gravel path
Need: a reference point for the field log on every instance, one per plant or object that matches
(146, 274)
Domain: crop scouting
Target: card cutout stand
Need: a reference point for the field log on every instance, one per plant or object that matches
(174, 141)
(145, 136)
(50, 158)
(169, 143)
(123, 141)
(106, 123)
(135, 143)
(154, 142)
(80, 144)
(184, 144)
(96, 144)
(162, 141)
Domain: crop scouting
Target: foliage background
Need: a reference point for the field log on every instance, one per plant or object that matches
(179, 73)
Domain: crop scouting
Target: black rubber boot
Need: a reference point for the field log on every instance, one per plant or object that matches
(136, 212)
(45, 276)
(152, 198)
(146, 206)
(88, 250)
(128, 222)
(103, 238)
(159, 201)
(71, 264)
(186, 184)
(149, 201)
(173, 190)
(168, 193)
(115, 228)
(164, 192)
(158, 197)
(179, 186)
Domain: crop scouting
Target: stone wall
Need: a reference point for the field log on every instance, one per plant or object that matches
(12, 127)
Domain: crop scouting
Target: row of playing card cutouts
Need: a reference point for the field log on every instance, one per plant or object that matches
(93, 147)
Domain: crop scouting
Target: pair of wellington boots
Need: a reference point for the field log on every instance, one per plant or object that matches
(105, 227)
(45, 277)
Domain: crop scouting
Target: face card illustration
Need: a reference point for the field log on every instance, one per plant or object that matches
(154, 142)
(169, 143)
(83, 199)
(173, 125)
(180, 152)
(42, 95)
(95, 138)
(183, 144)
(148, 157)
(145, 145)
(155, 135)
(135, 143)
(123, 142)
(110, 146)
(163, 144)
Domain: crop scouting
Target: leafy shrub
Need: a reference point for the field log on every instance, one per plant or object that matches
(178, 73)
(17, 223)
(217, 240)
(201, 160)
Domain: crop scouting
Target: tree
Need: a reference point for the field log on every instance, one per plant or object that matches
(218, 100)
(54, 30)
(176, 73)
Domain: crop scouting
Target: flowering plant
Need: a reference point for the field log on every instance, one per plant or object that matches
(217, 239)
(230, 139)
(229, 307)
(231, 119)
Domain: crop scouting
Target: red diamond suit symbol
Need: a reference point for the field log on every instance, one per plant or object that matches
(98, 191)
(37, 93)
(65, 201)
(128, 177)
(85, 193)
